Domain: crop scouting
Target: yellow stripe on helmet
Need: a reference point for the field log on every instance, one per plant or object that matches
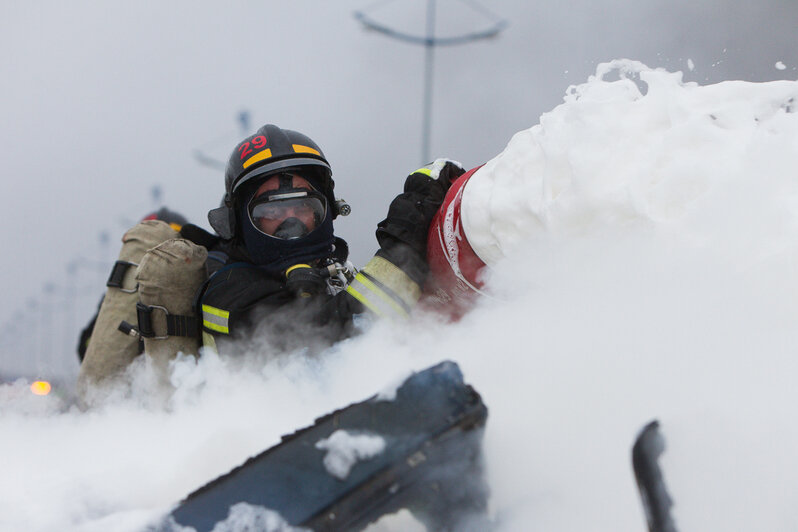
(298, 148)
(260, 156)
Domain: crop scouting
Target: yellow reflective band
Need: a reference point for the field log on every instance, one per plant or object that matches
(391, 276)
(373, 288)
(176, 227)
(295, 266)
(260, 156)
(298, 148)
(357, 295)
(214, 327)
(215, 319)
(375, 299)
(216, 311)
(426, 171)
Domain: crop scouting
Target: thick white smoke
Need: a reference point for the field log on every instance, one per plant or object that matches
(648, 238)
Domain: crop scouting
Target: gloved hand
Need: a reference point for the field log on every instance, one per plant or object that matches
(410, 213)
(305, 281)
(391, 283)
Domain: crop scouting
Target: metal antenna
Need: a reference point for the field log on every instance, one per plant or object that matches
(430, 42)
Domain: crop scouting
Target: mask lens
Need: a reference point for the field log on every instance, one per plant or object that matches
(287, 216)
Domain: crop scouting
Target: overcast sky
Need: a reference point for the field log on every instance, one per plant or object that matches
(102, 100)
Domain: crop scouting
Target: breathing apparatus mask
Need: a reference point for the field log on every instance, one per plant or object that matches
(287, 214)
(286, 223)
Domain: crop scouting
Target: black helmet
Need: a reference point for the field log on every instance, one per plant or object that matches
(270, 150)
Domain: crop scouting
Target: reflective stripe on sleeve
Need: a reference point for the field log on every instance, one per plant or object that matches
(385, 289)
(215, 319)
(390, 276)
(375, 299)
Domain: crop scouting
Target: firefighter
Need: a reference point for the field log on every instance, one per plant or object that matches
(275, 268)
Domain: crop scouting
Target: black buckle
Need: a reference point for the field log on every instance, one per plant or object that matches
(118, 275)
(144, 315)
(176, 325)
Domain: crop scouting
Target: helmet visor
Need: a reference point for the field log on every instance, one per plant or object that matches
(287, 215)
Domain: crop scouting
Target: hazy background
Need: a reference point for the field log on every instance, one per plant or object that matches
(101, 101)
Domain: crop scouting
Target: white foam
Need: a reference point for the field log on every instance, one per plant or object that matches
(632, 146)
(246, 517)
(344, 450)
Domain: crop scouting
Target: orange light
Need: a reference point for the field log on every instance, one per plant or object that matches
(40, 387)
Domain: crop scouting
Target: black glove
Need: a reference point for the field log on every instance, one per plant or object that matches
(304, 281)
(402, 235)
(392, 282)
